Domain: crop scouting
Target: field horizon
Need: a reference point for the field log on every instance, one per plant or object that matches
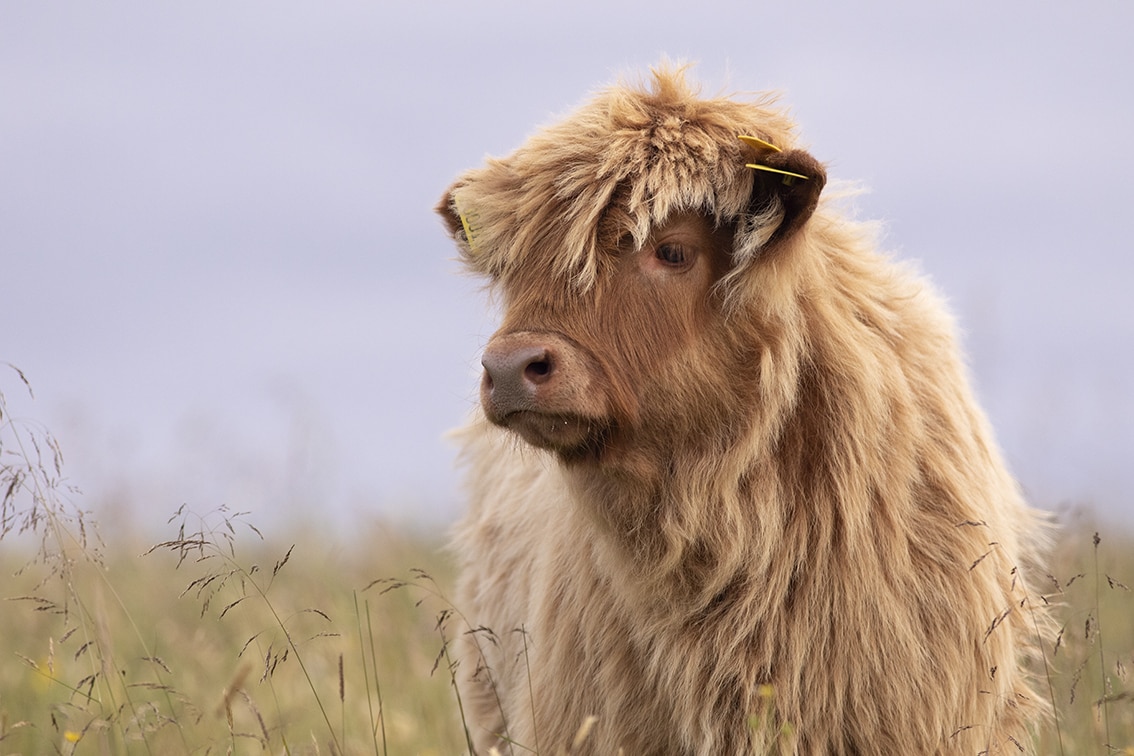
(211, 637)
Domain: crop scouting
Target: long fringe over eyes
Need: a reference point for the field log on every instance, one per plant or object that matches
(620, 165)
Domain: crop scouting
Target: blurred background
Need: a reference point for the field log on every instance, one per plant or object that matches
(221, 273)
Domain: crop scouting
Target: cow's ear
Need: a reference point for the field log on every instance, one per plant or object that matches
(795, 179)
(447, 209)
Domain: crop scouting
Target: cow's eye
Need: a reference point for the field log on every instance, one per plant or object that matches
(671, 254)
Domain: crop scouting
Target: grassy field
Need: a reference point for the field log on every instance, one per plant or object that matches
(220, 642)
(1091, 661)
(215, 640)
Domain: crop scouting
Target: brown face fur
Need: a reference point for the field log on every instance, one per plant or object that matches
(590, 375)
(648, 356)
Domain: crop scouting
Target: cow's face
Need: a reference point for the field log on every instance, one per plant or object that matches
(619, 344)
(585, 373)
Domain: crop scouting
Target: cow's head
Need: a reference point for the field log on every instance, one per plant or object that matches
(618, 241)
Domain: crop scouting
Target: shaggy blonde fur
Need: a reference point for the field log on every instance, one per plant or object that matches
(796, 533)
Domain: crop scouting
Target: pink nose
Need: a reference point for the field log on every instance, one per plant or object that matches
(514, 372)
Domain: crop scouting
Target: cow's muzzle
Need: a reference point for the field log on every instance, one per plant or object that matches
(544, 388)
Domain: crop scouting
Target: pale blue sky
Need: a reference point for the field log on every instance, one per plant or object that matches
(222, 273)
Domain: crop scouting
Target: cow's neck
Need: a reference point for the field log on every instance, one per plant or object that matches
(685, 529)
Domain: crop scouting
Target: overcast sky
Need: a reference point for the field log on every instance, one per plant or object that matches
(220, 269)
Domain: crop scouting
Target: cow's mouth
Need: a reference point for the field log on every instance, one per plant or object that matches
(574, 437)
(549, 391)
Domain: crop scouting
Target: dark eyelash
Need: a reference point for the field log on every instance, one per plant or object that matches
(671, 254)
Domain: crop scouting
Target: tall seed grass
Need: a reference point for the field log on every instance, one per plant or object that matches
(216, 640)
(1092, 568)
(213, 640)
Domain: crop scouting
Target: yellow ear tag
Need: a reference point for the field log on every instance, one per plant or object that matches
(468, 231)
(758, 143)
(467, 221)
(789, 177)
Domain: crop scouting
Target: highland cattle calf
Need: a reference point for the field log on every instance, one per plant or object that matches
(730, 490)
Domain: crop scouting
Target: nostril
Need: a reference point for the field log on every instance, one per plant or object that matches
(538, 371)
(515, 375)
